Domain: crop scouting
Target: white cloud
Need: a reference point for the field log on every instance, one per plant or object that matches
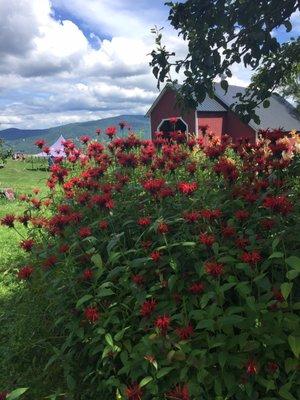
(50, 74)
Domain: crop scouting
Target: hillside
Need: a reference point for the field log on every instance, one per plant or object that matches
(23, 139)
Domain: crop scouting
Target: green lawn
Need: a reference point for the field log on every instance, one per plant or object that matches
(21, 338)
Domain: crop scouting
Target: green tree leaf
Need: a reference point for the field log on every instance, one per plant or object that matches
(145, 381)
(294, 342)
(286, 289)
(17, 393)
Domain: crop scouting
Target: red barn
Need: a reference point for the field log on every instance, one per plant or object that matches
(217, 116)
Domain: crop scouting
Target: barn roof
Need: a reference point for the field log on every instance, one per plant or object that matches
(280, 113)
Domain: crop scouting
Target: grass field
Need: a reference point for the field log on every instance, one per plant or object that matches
(18, 355)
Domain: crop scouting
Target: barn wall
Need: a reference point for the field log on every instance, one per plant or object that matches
(214, 121)
(237, 129)
(166, 108)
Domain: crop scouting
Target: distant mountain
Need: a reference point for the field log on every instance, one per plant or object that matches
(23, 139)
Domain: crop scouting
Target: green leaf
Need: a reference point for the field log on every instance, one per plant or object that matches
(164, 371)
(97, 260)
(224, 85)
(293, 262)
(276, 254)
(145, 381)
(285, 393)
(266, 104)
(288, 26)
(275, 243)
(71, 382)
(104, 292)
(286, 289)
(109, 339)
(215, 248)
(294, 343)
(118, 336)
(222, 358)
(292, 274)
(15, 394)
(83, 299)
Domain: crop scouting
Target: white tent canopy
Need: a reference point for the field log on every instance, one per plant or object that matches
(56, 150)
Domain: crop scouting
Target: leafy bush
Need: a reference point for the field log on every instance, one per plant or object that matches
(171, 267)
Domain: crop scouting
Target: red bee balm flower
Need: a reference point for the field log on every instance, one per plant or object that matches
(155, 255)
(272, 367)
(3, 395)
(251, 367)
(162, 323)
(187, 188)
(153, 185)
(278, 204)
(241, 214)
(111, 131)
(103, 225)
(91, 314)
(206, 239)
(148, 307)
(137, 279)
(196, 288)
(251, 258)
(213, 268)
(8, 220)
(64, 248)
(88, 274)
(179, 393)
(27, 245)
(134, 392)
(84, 139)
(191, 216)
(185, 333)
(40, 143)
(85, 231)
(228, 231)
(144, 221)
(162, 228)
(25, 272)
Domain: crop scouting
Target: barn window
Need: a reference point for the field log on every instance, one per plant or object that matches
(173, 124)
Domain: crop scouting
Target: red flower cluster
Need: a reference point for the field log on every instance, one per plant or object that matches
(8, 220)
(85, 231)
(111, 131)
(206, 239)
(187, 188)
(87, 274)
(162, 323)
(40, 143)
(279, 204)
(92, 314)
(179, 393)
(27, 244)
(148, 307)
(251, 367)
(154, 186)
(196, 287)
(213, 268)
(25, 272)
(155, 256)
(134, 392)
(185, 333)
(251, 258)
(144, 221)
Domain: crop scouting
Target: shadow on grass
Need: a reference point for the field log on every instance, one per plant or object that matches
(27, 334)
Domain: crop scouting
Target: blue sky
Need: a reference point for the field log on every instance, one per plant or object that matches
(65, 61)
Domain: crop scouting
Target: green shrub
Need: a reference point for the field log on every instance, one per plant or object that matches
(171, 269)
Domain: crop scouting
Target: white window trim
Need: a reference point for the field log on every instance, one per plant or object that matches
(168, 119)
